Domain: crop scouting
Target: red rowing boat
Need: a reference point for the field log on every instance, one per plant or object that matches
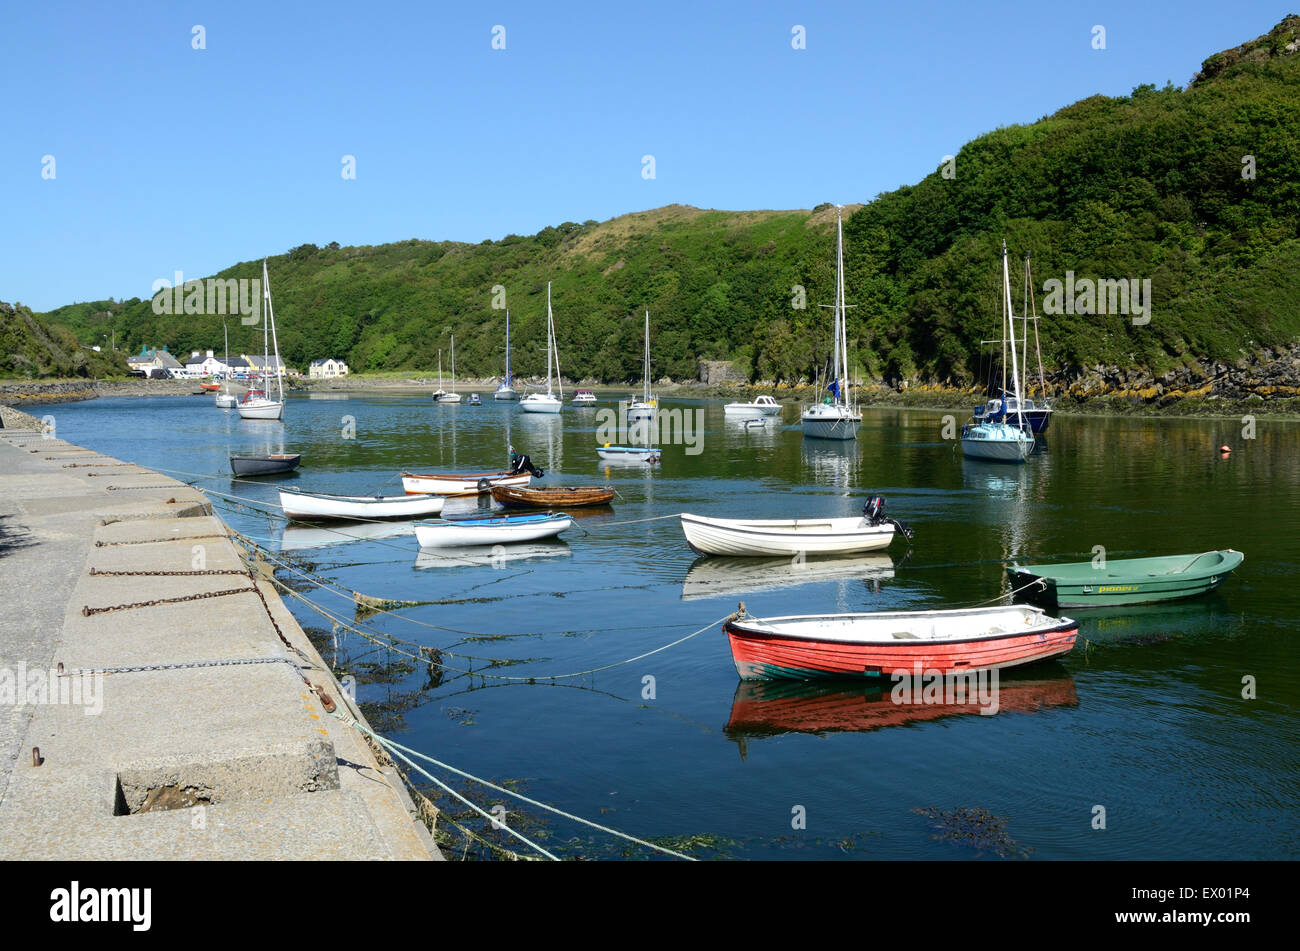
(804, 647)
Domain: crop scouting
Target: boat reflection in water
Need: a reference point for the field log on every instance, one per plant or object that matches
(490, 556)
(299, 537)
(763, 708)
(1206, 616)
(832, 462)
(715, 577)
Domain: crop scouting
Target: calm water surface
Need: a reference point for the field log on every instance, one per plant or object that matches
(1145, 717)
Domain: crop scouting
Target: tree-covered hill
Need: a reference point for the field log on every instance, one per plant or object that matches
(30, 348)
(1196, 189)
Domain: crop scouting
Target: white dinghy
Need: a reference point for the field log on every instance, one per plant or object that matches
(316, 505)
(870, 531)
(494, 530)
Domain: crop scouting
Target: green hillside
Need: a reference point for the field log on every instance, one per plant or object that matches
(31, 349)
(1146, 186)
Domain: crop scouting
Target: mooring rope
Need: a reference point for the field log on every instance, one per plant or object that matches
(391, 748)
(394, 747)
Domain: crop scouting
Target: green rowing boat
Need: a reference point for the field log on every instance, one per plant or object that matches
(1085, 584)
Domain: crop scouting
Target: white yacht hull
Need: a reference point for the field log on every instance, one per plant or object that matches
(260, 409)
(830, 422)
(540, 404)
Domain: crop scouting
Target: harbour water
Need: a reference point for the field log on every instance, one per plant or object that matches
(1146, 718)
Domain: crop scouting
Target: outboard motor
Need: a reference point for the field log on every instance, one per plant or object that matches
(874, 510)
(519, 462)
(874, 514)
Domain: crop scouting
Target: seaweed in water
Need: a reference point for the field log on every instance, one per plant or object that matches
(977, 828)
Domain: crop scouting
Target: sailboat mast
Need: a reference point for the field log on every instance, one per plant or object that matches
(1010, 330)
(550, 338)
(645, 383)
(839, 305)
(279, 375)
(1038, 349)
(843, 340)
(507, 347)
(453, 363)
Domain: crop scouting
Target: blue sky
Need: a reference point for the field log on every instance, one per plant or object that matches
(169, 158)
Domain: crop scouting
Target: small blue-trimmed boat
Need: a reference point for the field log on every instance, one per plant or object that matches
(638, 454)
(491, 530)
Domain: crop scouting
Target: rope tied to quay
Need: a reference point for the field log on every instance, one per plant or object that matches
(399, 750)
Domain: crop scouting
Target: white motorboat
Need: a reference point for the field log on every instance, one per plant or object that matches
(495, 530)
(470, 483)
(584, 398)
(257, 403)
(836, 417)
(1002, 441)
(548, 402)
(311, 505)
(629, 454)
(762, 406)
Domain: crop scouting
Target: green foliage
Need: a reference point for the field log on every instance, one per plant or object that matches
(30, 348)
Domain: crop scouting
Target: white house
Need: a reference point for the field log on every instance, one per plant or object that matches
(327, 369)
(199, 365)
(151, 361)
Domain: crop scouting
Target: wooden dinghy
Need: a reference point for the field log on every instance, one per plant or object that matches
(316, 505)
(272, 464)
(571, 496)
(495, 530)
(1126, 580)
(805, 647)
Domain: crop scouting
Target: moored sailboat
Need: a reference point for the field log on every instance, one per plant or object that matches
(642, 409)
(257, 403)
(836, 417)
(506, 389)
(547, 402)
(1001, 441)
